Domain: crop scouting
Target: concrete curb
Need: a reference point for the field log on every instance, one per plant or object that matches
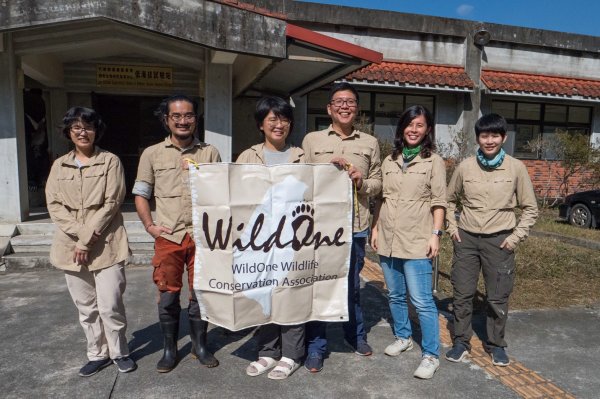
(580, 242)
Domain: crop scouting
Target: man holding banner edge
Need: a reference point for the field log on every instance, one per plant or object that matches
(359, 154)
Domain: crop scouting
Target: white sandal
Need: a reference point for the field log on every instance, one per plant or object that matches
(261, 366)
(284, 369)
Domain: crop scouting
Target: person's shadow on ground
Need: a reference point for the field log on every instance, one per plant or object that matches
(149, 340)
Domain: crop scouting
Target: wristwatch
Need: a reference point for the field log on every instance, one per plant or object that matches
(438, 232)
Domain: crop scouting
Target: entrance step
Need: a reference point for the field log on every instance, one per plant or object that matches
(29, 261)
(27, 245)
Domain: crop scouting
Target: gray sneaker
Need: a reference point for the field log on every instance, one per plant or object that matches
(399, 346)
(427, 368)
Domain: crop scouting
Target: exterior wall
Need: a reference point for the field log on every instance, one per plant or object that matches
(409, 47)
(545, 61)
(546, 179)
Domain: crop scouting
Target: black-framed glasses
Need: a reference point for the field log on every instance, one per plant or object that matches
(338, 102)
(79, 129)
(189, 117)
(272, 122)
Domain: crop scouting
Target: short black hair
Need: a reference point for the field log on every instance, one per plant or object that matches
(163, 108)
(492, 123)
(278, 105)
(86, 115)
(342, 86)
(405, 119)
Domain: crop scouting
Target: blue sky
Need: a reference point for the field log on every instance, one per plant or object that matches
(575, 16)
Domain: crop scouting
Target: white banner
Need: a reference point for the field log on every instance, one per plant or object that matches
(272, 243)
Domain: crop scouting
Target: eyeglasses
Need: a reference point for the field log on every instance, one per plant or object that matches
(338, 102)
(80, 129)
(179, 117)
(272, 122)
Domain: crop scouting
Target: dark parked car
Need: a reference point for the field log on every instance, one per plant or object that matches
(581, 209)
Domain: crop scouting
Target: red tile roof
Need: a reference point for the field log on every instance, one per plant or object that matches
(417, 74)
(540, 84)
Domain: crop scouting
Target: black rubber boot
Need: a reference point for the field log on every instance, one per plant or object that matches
(170, 330)
(199, 350)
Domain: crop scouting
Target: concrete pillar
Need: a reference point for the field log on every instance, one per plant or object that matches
(300, 120)
(13, 166)
(595, 136)
(472, 100)
(218, 107)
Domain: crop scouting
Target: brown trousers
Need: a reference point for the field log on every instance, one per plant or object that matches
(475, 253)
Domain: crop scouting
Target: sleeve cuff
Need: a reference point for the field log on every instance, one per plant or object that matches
(142, 189)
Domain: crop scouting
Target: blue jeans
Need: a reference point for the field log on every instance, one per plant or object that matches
(354, 328)
(414, 275)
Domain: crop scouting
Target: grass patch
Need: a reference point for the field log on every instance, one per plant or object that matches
(548, 222)
(550, 274)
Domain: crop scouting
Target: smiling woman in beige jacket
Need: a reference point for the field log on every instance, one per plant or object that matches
(84, 192)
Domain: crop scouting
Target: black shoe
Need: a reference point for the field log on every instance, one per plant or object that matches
(363, 349)
(314, 362)
(499, 356)
(125, 364)
(198, 331)
(93, 366)
(458, 352)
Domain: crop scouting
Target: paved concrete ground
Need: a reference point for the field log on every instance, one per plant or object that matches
(43, 347)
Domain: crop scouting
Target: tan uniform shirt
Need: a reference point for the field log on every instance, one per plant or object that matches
(83, 200)
(161, 167)
(255, 154)
(362, 151)
(489, 197)
(405, 220)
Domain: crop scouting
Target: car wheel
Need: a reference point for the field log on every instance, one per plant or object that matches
(581, 216)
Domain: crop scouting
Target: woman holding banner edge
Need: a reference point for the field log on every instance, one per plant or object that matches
(406, 230)
(275, 119)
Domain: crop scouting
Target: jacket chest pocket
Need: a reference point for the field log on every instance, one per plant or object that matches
(415, 184)
(361, 160)
(167, 179)
(69, 190)
(322, 155)
(392, 181)
(475, 192)
(502, 190)
(94, 187)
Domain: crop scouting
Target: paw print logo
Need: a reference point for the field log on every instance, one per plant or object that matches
(303, 209)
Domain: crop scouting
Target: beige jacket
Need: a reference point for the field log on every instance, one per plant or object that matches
(405, 220)
(489, 198)
(161, 167)
(83, 200)
(362, 151)
(255, 154)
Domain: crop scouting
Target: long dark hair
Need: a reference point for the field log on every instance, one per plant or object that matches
(406, 118)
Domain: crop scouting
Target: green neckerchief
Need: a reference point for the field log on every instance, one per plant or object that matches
(410, 153)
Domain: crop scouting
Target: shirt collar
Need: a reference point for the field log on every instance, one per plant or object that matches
(355, 133)
(169, 143)
(94, 159)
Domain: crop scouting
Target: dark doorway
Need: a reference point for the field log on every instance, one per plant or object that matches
(131, 127)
